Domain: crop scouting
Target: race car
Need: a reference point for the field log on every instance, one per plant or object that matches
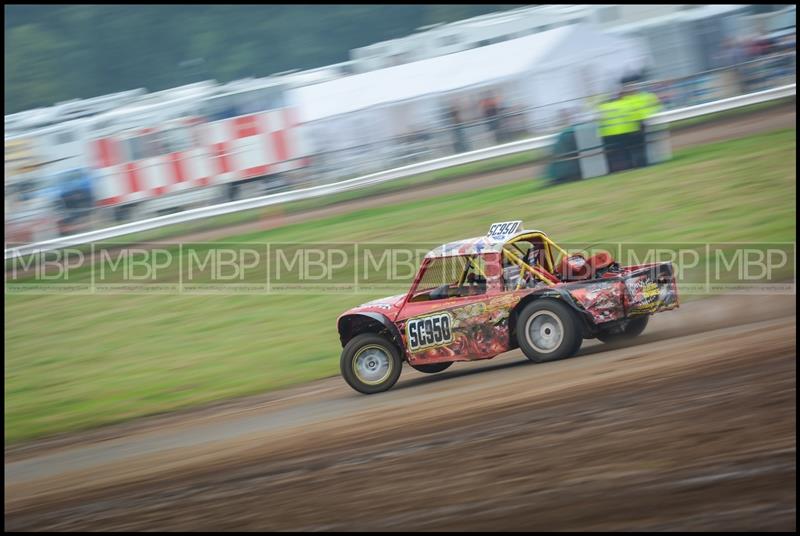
(477, 298)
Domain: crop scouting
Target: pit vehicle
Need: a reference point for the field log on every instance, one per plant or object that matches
(477, 298)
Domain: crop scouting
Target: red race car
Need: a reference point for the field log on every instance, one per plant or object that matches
(477, 298)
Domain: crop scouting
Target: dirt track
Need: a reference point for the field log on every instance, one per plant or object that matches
(692, 428)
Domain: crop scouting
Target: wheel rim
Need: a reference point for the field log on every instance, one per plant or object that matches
(372, 365)
(545, 331)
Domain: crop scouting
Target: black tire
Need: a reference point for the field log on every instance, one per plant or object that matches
(432, 368)
(357, 375)
(559, 336)
(632, 329)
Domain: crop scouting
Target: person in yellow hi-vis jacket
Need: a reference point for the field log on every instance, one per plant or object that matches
(640, 105)
(617, 125)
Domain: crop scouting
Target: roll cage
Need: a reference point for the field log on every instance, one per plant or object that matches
(551, 254)
(540, 240)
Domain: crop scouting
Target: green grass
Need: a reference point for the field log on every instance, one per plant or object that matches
(75, 362)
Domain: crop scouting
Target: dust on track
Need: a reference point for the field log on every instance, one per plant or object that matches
(688, 433)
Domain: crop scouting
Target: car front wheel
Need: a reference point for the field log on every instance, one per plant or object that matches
(370, 363)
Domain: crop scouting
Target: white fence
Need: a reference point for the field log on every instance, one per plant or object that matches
(377, 178)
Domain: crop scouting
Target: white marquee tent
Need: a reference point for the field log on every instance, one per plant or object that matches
(537, 73)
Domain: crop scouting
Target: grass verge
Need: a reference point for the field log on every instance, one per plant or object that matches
(74, 362)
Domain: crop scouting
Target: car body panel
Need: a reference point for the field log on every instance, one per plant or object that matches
(479, 324)
(478, 327)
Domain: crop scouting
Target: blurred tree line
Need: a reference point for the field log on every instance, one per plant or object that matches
(60, 52)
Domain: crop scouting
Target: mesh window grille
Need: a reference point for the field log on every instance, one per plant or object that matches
(449, 270)
(441, 271)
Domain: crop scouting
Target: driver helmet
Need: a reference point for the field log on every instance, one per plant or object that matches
(533, 255)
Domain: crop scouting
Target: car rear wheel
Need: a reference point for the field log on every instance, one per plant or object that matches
(370, 363)
(432, 368)
(548, 330)
(632, 329)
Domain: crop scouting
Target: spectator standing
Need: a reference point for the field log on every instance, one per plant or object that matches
(735, 56)
(459, 140)
(491, 114)
(640, 105)
(616, 127)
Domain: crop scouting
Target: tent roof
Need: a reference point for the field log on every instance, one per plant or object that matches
(697, 13)
(469, 68)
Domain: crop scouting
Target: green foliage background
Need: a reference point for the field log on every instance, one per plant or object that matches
(60, 52)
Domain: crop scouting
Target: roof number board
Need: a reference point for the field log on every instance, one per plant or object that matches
(502, 230)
